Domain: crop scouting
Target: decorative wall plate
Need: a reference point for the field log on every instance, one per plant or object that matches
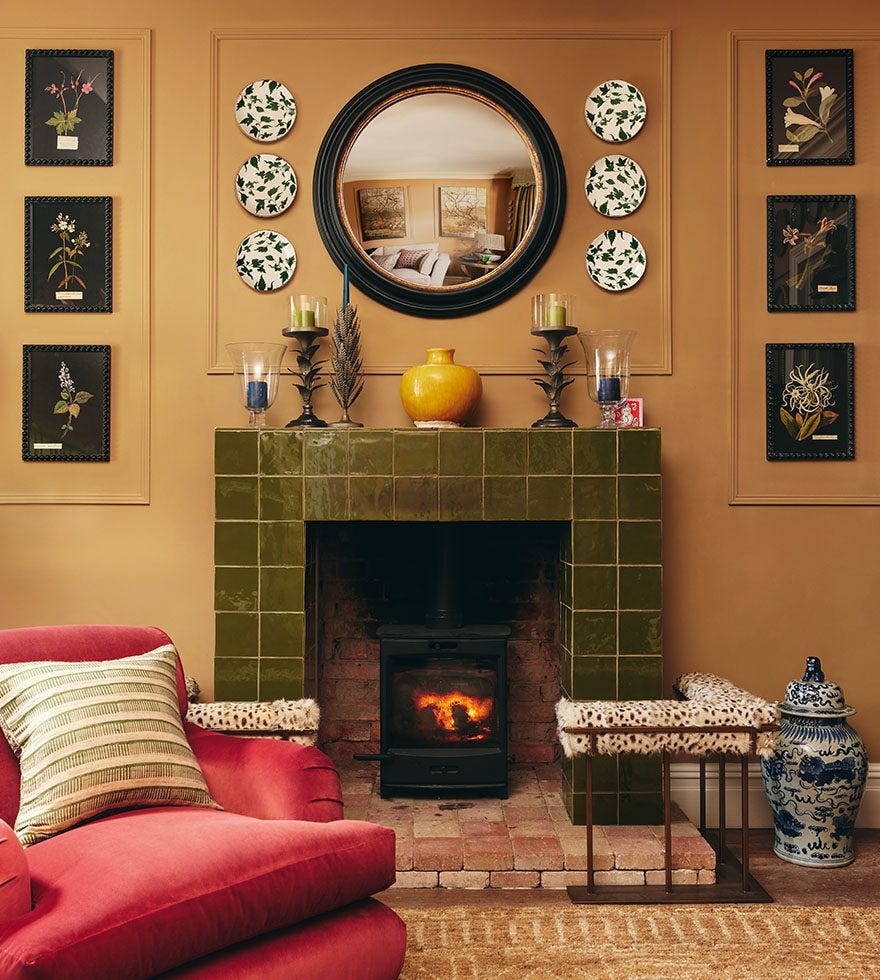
(615, 185)
(616, 260)
(615, 110)
(265, 185)
(265, 110)
(265, 260)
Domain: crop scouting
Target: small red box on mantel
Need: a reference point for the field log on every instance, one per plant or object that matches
(628, 414)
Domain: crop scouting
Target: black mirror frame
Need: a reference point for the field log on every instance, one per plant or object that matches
(489, 290)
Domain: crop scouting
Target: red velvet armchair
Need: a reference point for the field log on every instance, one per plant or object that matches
(275, 885)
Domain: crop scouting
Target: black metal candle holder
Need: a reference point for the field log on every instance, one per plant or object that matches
(308, 371)
(556, 381)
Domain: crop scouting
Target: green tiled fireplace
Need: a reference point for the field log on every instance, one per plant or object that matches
(605, 484)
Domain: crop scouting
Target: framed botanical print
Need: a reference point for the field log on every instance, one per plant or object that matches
(66, 403)
(810, 401)
(68, 108)
(811, 253)
(810, 114)
(68, 254)
(461, 211)
(382, 212)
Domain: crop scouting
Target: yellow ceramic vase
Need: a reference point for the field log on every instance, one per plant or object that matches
(440, 393)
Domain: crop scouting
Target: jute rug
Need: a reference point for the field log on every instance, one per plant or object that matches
(635, 942)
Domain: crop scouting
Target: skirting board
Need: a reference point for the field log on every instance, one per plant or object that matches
(685, 788)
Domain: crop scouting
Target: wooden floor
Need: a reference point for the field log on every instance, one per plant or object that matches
(789, 884)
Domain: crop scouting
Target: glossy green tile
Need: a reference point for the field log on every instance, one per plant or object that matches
(235, 451)
(461, 452)
(639, 450)
(638, 497)
(235, 588)
(504, 497)
(573, 770)
(235, 679)
(549, 498)
(280, 679)
(461, 498)
(282, 543)
(281, 498)
(506, 451)
(640, 632)
(640, 678)
(641, 587)
(281, 452)
(566, 583)
(325, 498)
(595, 587)
(604, 808)
(235, 543)
(235, 498)
(594, 497)
(235, 634)
(604, 775)
(281, 589)
(594, 542)
(595, 452)
(639, 773)
(641, 808)
(594, 678)
(594, 633)
(415, 498)
(549, 451)
(325, 452)
(371, 452)
(566, 627)
(415, 453)
(565, 671)
(640, 542)
(282, 634)
(372, 498)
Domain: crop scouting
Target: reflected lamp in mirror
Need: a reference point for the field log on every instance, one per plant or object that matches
(257, 367)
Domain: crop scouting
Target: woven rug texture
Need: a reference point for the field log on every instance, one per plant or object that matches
(720, 942)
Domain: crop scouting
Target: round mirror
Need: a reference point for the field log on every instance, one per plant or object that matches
(442, 188)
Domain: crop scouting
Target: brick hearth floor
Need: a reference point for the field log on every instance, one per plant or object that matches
(526, 841)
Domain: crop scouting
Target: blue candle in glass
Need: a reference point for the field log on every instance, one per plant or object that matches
(257, 395)
(609, 390)
(344, 286)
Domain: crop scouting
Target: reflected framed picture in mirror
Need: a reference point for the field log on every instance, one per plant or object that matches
(461, 211)
(382, 213)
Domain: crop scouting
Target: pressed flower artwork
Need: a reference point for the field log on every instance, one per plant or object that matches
(810, 107)
(811, 244)
(68, 254)
(66, 402)
(69, 107)
(810, 401)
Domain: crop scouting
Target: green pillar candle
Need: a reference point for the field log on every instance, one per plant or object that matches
(555, 316)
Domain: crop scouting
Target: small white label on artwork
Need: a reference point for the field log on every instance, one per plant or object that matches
(826, 438)
(69, 295)
(67, 143)
(788, 148)
(827, 289)
(48, 445)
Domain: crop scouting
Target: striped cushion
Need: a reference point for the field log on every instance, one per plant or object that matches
(97, 736)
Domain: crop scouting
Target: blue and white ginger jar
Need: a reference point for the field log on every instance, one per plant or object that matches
(816, 779)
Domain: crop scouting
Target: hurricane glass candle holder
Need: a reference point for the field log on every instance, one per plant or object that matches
(607, 353)
(552, 310)
(258, 367)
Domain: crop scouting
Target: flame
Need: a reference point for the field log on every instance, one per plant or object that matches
(458, 713)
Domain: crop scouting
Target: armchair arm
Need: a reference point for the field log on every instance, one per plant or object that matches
(15, 876)
(267, 778)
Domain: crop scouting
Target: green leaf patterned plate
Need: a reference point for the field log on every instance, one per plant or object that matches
(615, 111)
(615, 185)
(616, 260)
(265, 110)
(265, 261)
(265, 185)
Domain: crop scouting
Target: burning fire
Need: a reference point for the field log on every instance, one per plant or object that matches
(458, 713)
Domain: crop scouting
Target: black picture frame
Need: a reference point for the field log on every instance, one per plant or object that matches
(810, 401)
(82, 283)
(45, 393)
(60, 82)
(811, 253)
(825, 132)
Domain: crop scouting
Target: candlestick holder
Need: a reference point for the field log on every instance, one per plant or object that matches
(258, 367)
(308, 371)
(552, 315)
(607, 354)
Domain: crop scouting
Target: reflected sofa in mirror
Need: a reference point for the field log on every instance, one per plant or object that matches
(442, 188)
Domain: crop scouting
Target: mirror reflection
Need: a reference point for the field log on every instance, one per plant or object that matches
(438, 189)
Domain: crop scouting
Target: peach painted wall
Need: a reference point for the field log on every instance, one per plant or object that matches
(749, 590)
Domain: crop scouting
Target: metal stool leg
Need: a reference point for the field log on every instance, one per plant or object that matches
(703, 795)
(667, 823)
(591, 886)
(722, 808)
(745, 821)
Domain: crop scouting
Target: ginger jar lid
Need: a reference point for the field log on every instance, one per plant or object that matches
(815, 697)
